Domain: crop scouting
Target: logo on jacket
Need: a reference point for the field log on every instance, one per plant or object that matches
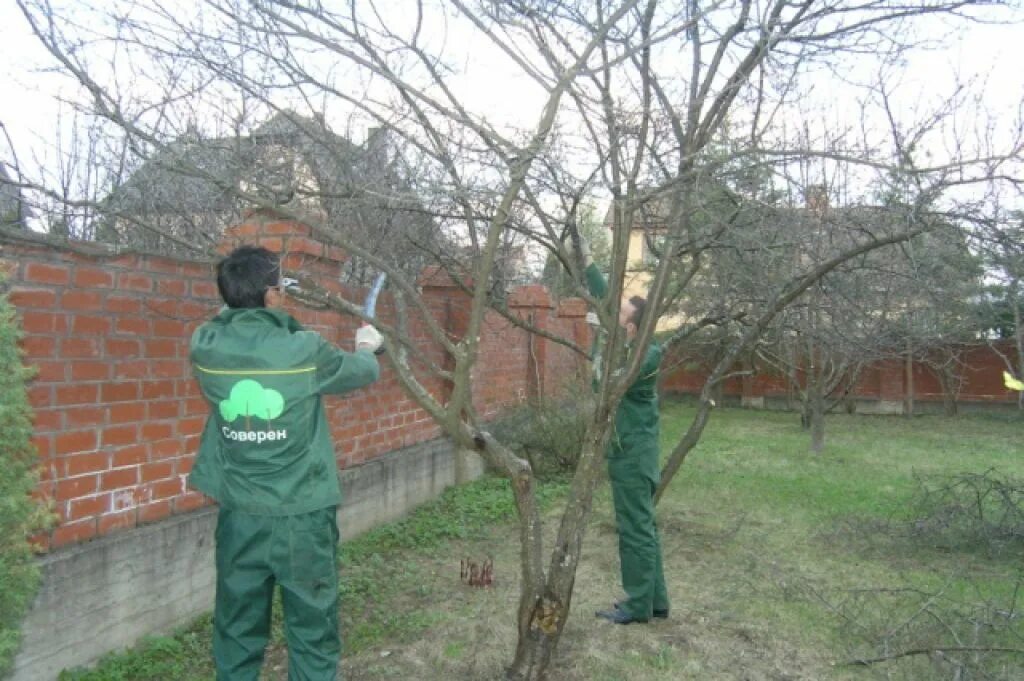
(250, 399)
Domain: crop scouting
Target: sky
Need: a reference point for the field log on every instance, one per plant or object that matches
(991, 54)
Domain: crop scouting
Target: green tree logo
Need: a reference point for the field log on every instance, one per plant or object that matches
(248, 398)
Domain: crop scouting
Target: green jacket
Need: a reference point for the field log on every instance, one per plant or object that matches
(266, 448)
(636, 421)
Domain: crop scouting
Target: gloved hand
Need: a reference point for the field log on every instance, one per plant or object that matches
(368, 338)
(581, 254)
(592, 319)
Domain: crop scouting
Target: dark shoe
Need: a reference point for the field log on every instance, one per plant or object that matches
(658, 612)
(617, 616)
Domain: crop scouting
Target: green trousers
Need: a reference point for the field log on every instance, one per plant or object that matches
(255, 553)
(634, 478)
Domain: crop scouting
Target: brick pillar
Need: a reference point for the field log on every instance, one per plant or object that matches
(574, 312)
(533, 303)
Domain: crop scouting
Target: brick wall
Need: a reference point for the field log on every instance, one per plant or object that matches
(118, 414)
(981, 372)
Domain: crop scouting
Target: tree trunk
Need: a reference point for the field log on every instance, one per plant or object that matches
(816, 407)
(545, 600)
(539, 632)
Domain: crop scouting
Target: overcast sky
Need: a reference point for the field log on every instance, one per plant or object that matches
(991, 53)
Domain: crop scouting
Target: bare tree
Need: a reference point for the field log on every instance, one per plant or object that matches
(629, 97)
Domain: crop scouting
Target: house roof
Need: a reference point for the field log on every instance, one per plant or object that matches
(195, 175)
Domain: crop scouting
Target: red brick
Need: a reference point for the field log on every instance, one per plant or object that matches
(22, 298)
(155, 390)
(80, 393)
(205, 289)
(117, 521)
(50, 371)
(169, 328)
(172, 287)
(271, 243)
(47, 419)
(80, 464)
(184, 466)
(157, 511)
(44, 322)
(73, 533)
(157, 431)
(163, 307)
(166, 409)
(72, 488)
(162, 347)
(86, 370)
(39, 346)
(119, 478)
(117, 348)
(138, 368)
(76, 417)
(124, 304)
(79, 347)
(43, 444)
(119, 392)
(92, 277)
(76, 441)
(81, 301)
(163, 265)
(192, 425)
(166, 489)
(87, 325)
(196, 312)
(168, 368)
(133, 326)
(160, 470)
(165, 449)
(115, 436)
(127, 412)
(87, 507)
(190, 502)
(129, 456)
(40, 273)
(133, 281)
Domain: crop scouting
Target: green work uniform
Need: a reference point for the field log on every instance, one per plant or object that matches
(266, 456)
(634, 472)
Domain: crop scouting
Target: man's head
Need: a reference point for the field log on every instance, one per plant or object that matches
(631, 313)
(250, 276)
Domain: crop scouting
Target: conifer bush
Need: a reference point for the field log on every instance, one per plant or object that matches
(20, 514)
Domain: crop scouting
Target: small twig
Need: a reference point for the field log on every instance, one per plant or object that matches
(929, 651)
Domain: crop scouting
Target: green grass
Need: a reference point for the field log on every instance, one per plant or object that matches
(781, 565)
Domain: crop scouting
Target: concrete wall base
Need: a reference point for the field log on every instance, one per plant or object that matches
(107, 594)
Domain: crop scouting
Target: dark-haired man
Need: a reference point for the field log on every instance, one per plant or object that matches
(266, 457)
(634, 471)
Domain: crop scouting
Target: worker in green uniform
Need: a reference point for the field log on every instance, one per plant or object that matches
(634, 471)
(266, 457)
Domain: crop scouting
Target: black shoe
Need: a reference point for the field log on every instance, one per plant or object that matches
(658, 612)
(617, 616)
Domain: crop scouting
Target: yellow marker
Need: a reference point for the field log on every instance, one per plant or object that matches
(1011, 382)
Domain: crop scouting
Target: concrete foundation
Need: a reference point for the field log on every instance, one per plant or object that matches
(107, 594)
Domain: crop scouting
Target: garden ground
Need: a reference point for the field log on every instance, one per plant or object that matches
(902, 541)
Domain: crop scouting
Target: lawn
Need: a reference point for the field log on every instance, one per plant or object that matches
(904, 540)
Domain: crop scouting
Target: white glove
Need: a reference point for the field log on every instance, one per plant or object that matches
(368, 338)
(592, 319)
